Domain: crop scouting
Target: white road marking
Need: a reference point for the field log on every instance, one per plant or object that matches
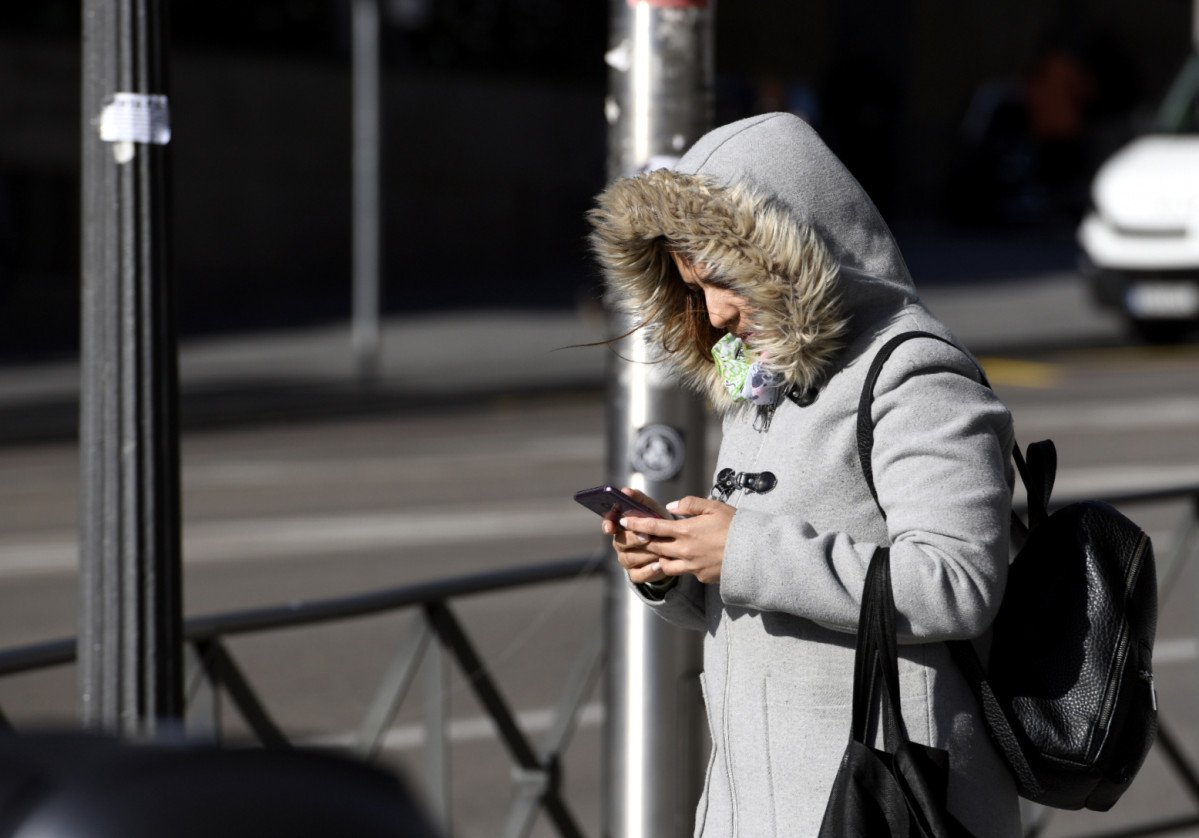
(1099, 481)
(474, 729)
(527, 452)
(288, 537)
(1176, 650)
(1164, 412)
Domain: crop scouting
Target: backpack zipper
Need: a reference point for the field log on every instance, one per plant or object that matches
(1109, 701)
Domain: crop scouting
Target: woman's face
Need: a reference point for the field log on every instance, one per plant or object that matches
(726, 310)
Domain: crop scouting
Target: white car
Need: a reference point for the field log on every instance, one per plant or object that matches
(1140, 243)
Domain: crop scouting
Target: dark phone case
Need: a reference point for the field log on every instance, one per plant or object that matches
(602, 499)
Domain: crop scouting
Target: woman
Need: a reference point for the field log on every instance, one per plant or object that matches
(760, 243)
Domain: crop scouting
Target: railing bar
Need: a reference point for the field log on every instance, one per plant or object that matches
(37, 656)
(1035, 817)
(534, 789)
(1174, 754)
(202, 717)
(489, 696)
(1181, 546)
(484, 688)
(243, 697)
(579, 685)
(393, 687)
(522, 815)
(304, 613)
(561, 815)
(62, 650)
(581, 680)
(1155, 828)
(1186, 773)
(1137, 496)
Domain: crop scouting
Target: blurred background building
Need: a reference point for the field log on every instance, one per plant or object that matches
(988, 113)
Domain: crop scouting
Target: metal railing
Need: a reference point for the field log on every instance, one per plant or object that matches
(212, 669)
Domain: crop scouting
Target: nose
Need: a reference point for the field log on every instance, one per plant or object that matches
(721, 311)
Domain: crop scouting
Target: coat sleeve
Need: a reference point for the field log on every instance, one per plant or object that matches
(942, 472)
(682, 604)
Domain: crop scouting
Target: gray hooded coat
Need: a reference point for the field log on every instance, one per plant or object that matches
(778, 219)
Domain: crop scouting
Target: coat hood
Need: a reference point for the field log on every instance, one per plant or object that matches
(779, 220)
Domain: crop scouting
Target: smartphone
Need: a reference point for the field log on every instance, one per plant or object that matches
(603, 500)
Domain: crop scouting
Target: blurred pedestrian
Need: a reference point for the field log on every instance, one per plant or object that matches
(768, 280)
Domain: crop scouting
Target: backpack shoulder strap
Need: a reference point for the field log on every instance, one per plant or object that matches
(1042, 463)
(1038, 474)
(999, 727)
(865, 423)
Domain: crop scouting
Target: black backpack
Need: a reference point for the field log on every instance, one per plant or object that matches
(1068, 695)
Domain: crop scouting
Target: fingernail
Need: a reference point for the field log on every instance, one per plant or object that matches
(642, 536)
(673, 505)
(624, 522)
(655, 567)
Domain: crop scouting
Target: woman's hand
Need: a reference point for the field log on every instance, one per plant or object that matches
(630, 550)
(652, 549)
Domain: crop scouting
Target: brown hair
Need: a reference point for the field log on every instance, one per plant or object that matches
(689, 324)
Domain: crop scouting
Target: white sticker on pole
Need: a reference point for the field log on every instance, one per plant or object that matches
(136, 118)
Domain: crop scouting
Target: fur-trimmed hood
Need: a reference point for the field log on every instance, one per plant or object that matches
(779, 220)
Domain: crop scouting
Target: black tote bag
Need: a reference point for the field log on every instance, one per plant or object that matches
(900, 790)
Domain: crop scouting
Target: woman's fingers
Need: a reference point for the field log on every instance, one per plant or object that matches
(649, 573)
(653, 549)
(631, 552)
(614, 528)
(645, 528)
(693, 543)
(691, 505)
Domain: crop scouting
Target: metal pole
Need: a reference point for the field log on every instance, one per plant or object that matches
(364, 333)
(660, 102)
(130, 670)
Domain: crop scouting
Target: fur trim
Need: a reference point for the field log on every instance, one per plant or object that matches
(754, 247)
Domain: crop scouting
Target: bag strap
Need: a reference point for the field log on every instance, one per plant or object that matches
(865, 422)
(876, 658)
(1037, 474)
(997, 723)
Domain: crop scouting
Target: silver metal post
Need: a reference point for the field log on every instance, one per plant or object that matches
(130, 674)
(660, 102)
(364, 333)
